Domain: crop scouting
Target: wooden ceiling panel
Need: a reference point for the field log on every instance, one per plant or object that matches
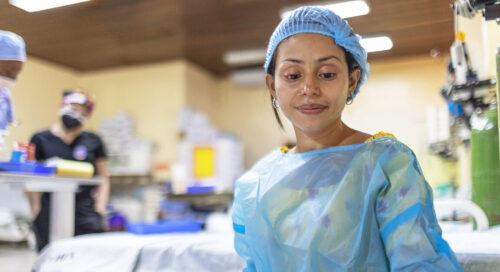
(108, 33)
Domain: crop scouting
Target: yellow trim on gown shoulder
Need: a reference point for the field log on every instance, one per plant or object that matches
(380, 134)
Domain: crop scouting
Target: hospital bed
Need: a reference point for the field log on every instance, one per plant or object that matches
(477, 250)
(208, 250)
(212, 250)
(113, 252)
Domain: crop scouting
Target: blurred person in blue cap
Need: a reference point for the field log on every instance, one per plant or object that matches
(12, 57)
(341, 199)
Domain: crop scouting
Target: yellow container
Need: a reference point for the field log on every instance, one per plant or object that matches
(74, 169)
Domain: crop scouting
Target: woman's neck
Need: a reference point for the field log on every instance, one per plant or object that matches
(339, 134)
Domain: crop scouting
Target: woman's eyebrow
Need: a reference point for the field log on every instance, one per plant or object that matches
(319, 60)
(293, 60)
(329, 58)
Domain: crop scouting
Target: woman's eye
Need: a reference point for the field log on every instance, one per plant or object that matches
(292, 76)
(327, 75)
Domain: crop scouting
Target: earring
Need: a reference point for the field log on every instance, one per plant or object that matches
(349, 100)
(276, 105)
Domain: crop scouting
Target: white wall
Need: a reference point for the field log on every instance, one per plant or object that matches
(37, 96)
(153, 94)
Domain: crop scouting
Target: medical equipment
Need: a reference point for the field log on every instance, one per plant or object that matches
(465, 86)
(209, 160)
(498, 76)
(469, 8)
(445, 207)
(477, 250)
(465, 93)
(486, 164)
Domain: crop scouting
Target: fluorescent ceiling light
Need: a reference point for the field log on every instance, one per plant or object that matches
(343, 9)
(258, 56)
(245, 57)
(37, 5)
(251, 77)
(375, 44)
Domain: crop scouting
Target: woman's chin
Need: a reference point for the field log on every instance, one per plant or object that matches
(311, 127)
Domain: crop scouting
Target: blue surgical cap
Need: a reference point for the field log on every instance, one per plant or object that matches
(12, 46)
(314, 19)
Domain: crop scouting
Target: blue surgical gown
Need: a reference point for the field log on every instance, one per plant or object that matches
(6, 112)
(364, 207)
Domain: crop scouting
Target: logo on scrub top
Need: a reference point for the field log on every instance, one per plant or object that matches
(80, 152)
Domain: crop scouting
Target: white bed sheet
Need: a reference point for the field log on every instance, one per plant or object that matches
(208, 251)
(204, 252)
(477, 251)
(123, 251)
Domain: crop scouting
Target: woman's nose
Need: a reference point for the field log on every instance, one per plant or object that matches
(310, 86)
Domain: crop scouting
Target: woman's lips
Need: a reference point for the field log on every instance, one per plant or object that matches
(311, 109)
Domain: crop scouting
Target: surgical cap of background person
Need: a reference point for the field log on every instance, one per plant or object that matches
(12, 46)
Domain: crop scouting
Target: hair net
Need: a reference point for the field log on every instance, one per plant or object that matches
(12, 46)
(78, 96)
(320, 20)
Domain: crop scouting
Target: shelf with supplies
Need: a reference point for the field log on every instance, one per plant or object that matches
(203, 201)
(142, 179)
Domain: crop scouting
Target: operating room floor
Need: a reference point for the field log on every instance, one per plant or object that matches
(15, 258)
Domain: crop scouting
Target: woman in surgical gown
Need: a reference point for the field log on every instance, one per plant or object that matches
(340, 200)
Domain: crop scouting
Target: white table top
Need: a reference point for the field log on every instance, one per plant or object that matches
(40, 183)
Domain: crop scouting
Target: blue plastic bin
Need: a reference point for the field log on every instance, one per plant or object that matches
(198, 189)
(164, 227)
(27, 167)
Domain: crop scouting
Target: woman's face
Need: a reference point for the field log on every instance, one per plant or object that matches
(311, 81)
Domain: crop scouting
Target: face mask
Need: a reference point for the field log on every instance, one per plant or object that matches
(6, 82)
(70, 122)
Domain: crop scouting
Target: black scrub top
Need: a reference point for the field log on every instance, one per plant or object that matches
(87, 147)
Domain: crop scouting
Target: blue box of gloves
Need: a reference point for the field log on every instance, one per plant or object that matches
(32, 168)
(166, 226)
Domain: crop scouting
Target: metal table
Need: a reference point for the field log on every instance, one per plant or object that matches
(62, 205)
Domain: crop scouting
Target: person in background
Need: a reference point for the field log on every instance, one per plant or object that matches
(12, 58)
(68, 140)
(341, 199)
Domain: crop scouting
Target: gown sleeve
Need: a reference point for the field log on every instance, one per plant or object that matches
(241, 240)
(406, 217)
